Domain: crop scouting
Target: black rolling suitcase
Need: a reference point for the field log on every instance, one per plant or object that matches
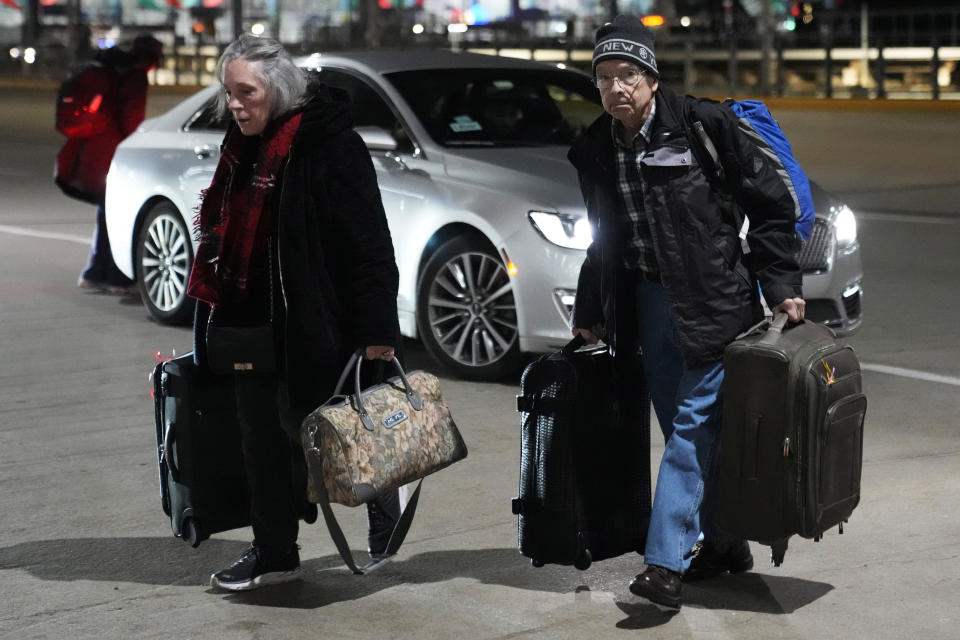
(585, 460)
(792, 440)
(203, 486)
(202, 482)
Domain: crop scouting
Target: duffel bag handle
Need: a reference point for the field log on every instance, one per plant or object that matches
(355, 362)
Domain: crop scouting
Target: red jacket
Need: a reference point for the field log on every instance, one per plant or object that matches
(83, 163)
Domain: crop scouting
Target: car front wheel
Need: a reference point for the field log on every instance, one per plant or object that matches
(466, 311)
(164, 257)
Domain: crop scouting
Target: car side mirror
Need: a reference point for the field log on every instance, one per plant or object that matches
(377, 138)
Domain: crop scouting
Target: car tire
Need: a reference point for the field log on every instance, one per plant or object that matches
(466, 310)
(164, 258)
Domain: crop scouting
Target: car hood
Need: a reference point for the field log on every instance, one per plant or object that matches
(541, 175)
(822, 200)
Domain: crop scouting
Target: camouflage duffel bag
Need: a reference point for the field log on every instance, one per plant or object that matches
(360, 446)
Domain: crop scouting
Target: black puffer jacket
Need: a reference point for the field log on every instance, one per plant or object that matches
(338, 279)
(709, 284)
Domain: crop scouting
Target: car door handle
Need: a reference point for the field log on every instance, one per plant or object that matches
(205, 151)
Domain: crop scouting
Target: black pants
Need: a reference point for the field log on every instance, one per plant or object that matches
(100, 265)
(275, 467)
(273, 459)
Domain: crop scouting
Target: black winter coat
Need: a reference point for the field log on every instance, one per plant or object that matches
(334, 267)
(710, 285)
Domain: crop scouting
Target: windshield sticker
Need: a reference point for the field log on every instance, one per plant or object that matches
(465, 123)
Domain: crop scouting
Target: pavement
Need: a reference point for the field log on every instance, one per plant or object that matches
(86, 552)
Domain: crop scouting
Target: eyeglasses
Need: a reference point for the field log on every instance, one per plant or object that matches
(628, 78)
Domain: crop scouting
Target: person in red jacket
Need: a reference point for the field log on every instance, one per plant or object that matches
(83, 163)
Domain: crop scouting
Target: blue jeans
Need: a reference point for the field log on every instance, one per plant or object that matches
(687, 403)
(100, 266)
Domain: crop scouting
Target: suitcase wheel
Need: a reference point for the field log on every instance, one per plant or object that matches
(536, 563)
(584, 560)
(190, 533)
(777, 551)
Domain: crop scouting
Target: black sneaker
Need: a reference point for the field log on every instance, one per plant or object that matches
(258, 567)
(382, 516)
(712, 560)
(662, 587)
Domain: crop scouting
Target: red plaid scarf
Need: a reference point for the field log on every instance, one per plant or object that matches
(230, 215)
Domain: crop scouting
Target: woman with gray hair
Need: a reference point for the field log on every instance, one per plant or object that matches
(294, 271)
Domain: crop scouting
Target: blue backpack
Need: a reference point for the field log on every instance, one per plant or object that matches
(755, 118)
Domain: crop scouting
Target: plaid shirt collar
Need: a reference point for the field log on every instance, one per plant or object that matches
(645, 130)
(635, 235)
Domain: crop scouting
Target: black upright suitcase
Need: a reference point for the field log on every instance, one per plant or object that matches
(585, 460)
(792, 440)
(202, 482)
(203, 486)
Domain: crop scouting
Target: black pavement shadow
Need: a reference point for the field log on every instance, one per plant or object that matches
(168, 561)
(745, 592)
(642, 616)
(140, 560)
(759, 593)
(328, 581)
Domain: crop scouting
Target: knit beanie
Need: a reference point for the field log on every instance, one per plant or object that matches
(626, 38)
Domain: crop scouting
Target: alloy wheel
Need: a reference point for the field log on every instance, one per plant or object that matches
(472, 313)
(165, 262)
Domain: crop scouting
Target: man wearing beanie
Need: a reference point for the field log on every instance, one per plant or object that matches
(666, 277)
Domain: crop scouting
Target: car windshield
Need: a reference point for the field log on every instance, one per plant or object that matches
(500, 107)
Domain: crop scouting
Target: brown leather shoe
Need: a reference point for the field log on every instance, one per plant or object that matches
(710, 561)
(662, 587)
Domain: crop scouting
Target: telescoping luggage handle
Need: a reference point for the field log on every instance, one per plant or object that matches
(412, 396)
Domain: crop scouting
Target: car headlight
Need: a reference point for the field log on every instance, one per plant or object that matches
(563, 230)
(845, 224)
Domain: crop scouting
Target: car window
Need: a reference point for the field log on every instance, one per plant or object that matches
(206, 118)
(368, 107)
(500, 107)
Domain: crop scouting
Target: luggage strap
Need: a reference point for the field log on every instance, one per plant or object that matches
(539, 406)
(396, 537)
